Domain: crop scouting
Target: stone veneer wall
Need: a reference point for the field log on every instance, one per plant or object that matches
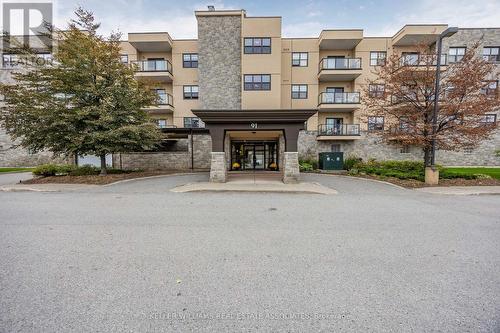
(171, 160)
(12, 156)
(371, 146)
(219, 61)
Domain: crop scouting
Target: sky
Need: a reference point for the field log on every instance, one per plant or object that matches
(304, 18)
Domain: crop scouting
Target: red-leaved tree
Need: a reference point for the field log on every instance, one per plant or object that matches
(403, 92)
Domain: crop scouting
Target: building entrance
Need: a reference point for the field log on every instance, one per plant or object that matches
(254, 155)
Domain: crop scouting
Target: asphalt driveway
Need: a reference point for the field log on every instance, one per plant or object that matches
(135, 257)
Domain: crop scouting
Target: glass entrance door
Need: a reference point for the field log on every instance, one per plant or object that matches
(254, 155)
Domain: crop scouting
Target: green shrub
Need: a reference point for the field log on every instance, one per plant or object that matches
(305, 166)
(308, 165)
(85, 170)
(48, 170)
(351, 161)
(396, 169)
(45, 170)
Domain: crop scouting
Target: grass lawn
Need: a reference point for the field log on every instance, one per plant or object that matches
(493, 172)
(15, 170)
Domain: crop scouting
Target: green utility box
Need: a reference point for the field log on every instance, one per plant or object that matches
(331, 161)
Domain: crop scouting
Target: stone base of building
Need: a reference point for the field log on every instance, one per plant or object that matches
(218, 169)
(291, 172)
(370, 145)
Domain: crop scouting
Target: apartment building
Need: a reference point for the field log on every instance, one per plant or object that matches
(242, 97)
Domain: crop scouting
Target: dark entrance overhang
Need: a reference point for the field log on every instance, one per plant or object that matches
(286, 120)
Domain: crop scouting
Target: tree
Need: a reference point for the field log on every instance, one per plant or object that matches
(403, 92)
(86, 101)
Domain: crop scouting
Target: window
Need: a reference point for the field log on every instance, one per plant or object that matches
(162, 96)
(336, 148)
(491, 54)
(405, 149)
(190, 92)
(190, 60)
(124, 58)
(404, 125)
(375, 123)
(489, 119)
(456, 54)
(162, 123)
(410, 58)
(10, 60)
(376, 90)
(299, 91)
(257, 46)
(490, 88)
(193, 122)
(468, 150)
(299, 59)
(377, 58)
(257, 82)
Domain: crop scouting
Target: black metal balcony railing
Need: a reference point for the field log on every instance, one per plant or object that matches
(165, 99)
(338, 130)
(339, 98)
(340, 63)
(152, 66)
(422, 59)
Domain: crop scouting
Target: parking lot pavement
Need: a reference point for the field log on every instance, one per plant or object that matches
(136, 257)
(14, 177)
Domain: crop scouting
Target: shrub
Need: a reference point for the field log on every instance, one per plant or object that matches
(85, 170)
(308, 165)
(305, 166)
(48, 170)
(396, 169)
(45, 170)
(351, 161)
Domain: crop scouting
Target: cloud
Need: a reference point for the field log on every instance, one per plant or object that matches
(126, 16)
(461, 13)
(302, 29)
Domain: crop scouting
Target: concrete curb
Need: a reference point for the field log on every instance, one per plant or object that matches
(152, 177)
(303, 188)
(460, 190)
(366, 179)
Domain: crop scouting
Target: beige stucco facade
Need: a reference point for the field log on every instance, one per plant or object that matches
(349, 44)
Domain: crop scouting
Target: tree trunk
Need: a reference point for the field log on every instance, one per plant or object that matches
(427, 156)
(103, 165)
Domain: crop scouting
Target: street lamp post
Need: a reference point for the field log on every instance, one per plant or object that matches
(432, 174)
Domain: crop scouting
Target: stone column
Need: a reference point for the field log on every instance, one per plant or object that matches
(291, 171)
(218, 170)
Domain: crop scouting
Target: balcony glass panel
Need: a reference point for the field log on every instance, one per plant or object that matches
(341, 63)
(153, 66)
(338, 129)
(339, 98)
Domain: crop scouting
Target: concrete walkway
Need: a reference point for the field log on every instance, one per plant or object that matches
(461, 190)
(256, 182)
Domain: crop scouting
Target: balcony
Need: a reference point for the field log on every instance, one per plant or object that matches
(338, 132)
(332, 101)
(340, 39)
(165, 105)
(416, 34)
(422, 60)
(151, 41)
(157, 70)
(339, 69)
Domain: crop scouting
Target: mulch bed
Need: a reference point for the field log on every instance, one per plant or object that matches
(96, 180)
(412, 183)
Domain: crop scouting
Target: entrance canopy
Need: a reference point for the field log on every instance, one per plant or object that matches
(289, 122)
